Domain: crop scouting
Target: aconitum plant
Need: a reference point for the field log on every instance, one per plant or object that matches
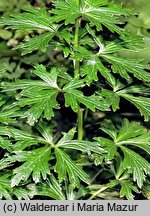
(42, 161)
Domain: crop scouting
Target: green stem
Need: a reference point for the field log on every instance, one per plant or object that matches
(77, 73)
(80, 123)
(97, 193)
(95, 176)
(76, 45)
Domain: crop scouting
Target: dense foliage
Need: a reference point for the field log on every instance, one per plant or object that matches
(66, 87)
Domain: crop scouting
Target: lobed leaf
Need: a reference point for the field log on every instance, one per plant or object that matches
(104, 14)
(125, 66)
(52, 189)
(130, 134)
(39, 42)
(33, 19)
(35, 162)
(65, 8)
(136, 165)
(65, 165)
(142, 104)
(5, 187)
(126, 190)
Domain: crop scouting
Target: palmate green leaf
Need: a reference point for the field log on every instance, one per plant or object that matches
(35, 162)
(41, 101)
(136, 165)
(49, 80)
(65, 165)
(21, 193)
(91, 66)
(93, 102)
(66, 142)
(125, 66)
(39, 42)
(130, 94)
(51, 189)
(126, 190)
(40, 96)
(67, 10)
(131, 130)
(5, 144)
(134, 135)
(5, 162)
(144, 90)
(97, 13)
(109, 128)
(84, 146)
(142, 103)
(109, 47)
(130, 134)
(90, 70)
(5, 186)
(33, 19)
(74, 96)
(7, 192)
(104, 14)
(111, 97)
(109, 146)
(9, 113)
(23, 139)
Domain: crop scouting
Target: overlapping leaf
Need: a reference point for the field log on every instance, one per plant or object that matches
(8, 193)
(136, 165)
(74, 96)
(92, 64)
(97, 13)
(130, 134)
(67, 142)
(125, 66)
(8, 112)
(67, 10)
(39, 42)
(5, 144)
(33, 19)
(5, 186)
(112, 98)
(40, 95)
(24, 139)
(126, 190)
(142, 103)
(103, 13)
(131, 94)
(52, 189)
(65, 165)
(35, 162)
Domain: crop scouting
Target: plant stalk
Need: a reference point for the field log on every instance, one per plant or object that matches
(97, 193)
(76, 45)
(77, 73)
(80, 123)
